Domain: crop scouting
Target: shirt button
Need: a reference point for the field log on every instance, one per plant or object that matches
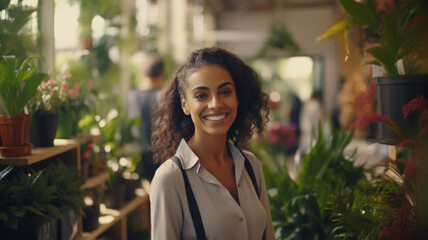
(241, 219)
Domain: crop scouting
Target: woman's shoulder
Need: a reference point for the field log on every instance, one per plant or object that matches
(255, 162)
(167, 176)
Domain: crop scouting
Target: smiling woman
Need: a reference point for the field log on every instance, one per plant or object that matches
(202, 123)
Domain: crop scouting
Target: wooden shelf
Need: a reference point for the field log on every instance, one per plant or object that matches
(40, 154)
(96, 180)
(113, 216)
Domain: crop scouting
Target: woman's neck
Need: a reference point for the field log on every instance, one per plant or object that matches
(210, 149)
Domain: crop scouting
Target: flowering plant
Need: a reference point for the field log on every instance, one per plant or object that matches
(52, 95)
(393, 205)
(280, 138)
(392, 31)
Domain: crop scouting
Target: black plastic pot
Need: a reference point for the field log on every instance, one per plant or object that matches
(31, 227)
(68, 227)
(115, 196)
(90, 220)
(43, 129)
(393, 92)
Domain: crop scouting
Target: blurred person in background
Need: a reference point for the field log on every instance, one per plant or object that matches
(139, 103)
(312, 112)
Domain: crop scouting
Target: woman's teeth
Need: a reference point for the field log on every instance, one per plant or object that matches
(215, 118)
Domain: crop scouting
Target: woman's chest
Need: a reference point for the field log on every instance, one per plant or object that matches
(222, 216)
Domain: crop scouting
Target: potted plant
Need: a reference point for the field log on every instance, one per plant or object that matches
(18, 84)
(70, 197)
(46, 106)
(393, 205)
(395, 38)
(31, 203)
(93, 199)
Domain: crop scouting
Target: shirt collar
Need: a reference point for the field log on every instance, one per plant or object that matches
(187, 156)
(189, 159)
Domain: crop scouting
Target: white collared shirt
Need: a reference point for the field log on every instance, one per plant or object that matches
(223, 218)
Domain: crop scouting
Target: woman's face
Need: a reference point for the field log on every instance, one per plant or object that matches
(211, 101)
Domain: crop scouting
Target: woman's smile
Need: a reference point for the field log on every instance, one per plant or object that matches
(216, 117)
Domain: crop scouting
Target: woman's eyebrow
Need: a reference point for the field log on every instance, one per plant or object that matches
(200, 88)
(206, 88)
(224, 84)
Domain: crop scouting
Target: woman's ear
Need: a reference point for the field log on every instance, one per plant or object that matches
(184, 105)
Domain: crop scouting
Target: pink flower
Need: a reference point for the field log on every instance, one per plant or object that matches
(65, 87)
(67, 75)
(43, 85)
(283, 134)
(73, 93)
(51, 82)
(274, 139)
(76, 86)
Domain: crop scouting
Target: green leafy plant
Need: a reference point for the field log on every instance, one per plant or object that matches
(9, 212)
(393, 206)
(35, 195)
(18, 84)
(67, 181)
(391, 35)
(45, 194)
(16, 35)
(299, 204)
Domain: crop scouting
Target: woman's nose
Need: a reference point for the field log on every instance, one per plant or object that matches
(216, 102)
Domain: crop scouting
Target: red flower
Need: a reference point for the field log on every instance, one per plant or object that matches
(417, 104)
(401, 227)
(282, 134)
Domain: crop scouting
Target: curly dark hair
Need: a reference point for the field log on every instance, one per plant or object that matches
(170, 124)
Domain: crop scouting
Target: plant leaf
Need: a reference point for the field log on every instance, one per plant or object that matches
(364, 14)
(5, 171)
(392, 32)
(30, 87)
(385, 59)
(333, 31)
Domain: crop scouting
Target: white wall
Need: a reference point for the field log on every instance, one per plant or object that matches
(244, 33)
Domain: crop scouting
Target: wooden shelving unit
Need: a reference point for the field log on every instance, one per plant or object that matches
(113, 222)
(96, 180)
(116, 219)
(41, 154)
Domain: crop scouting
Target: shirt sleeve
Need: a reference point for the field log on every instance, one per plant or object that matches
(166, 203)
(264, 199)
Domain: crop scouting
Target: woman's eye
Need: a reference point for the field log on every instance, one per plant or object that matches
(226, 92)
(200, 95)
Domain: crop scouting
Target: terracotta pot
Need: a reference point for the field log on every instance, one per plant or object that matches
(14, 130)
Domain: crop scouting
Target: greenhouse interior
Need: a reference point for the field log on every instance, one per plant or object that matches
(278, 113)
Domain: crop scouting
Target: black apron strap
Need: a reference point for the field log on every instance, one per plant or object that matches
(250, 172)
(193, 205)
